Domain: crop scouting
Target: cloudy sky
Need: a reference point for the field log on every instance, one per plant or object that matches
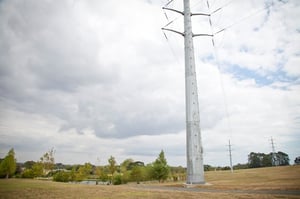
(94, 78)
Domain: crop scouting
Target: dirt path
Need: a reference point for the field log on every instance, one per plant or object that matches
(204, 190)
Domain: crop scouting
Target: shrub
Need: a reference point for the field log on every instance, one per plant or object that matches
(27, 173)
(117, 180)
(62, 176)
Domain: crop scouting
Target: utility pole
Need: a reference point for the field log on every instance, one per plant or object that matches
(194, 153)
(230, 157)
(195, 168)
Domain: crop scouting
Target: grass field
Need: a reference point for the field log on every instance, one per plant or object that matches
(264, 183)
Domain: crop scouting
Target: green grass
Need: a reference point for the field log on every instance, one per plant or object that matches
(275, 178)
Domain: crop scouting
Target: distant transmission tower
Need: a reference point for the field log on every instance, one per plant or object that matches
(230, 157)
(274, 158)
(195, 167)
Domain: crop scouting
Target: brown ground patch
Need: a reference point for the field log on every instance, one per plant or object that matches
(265, 183)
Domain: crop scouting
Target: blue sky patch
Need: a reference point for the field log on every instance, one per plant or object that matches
(271, 77)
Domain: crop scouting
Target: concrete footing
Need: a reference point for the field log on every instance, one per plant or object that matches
(185, 185)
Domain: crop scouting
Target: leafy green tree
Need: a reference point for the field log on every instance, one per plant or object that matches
(112, 165)
(29, 164)
(136, 174)
(43, 167)
(147, 172)
(37, 169)
(241, 166)
(83, 172)
(8, 165)
(254, 160)
(125, 170)
(27, 173)
(160, 168)
(125, 165)
(103, 173)
(98, 171)
(266, 160)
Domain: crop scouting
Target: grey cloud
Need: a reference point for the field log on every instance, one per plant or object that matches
(56, 65)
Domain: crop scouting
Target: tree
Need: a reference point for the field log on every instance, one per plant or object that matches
(62, 176)
(37, 169)
(297, 160)
(125, 165)
(282, 158)
(83, 172)
(8, 165)
(47, 161)
(136, 174)
(160, 168)
(103, 173)
(29, 164)
(40, 168)
(266, 160)
(112, 167)
(125, 170)
(254, 160)
(240, 166)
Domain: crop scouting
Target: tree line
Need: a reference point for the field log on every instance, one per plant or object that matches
(256, 160)
(113, 173)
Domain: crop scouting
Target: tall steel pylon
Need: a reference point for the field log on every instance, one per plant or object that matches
(194, 149)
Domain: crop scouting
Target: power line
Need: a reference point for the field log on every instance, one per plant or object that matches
(220, 74)
(171, 48)
(169, 3)
(244, 18)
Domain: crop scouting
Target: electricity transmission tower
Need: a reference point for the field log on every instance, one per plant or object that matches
(195, 168)
(274, 158)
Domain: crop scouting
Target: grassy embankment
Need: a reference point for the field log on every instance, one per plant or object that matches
(274, 178)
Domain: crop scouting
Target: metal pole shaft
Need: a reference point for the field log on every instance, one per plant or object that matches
(195, 168)
(230, 156)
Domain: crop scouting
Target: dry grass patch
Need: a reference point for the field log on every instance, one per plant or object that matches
(279, 178)
(272, 178)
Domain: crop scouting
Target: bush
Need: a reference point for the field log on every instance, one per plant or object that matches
(62, 176)
(27, 173)
(117, 180)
